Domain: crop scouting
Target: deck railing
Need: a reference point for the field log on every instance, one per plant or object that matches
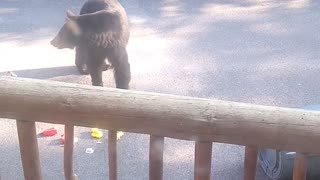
(201, 120)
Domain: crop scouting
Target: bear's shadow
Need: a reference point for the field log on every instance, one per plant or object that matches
(46, 73)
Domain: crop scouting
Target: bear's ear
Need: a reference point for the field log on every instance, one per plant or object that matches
(71, 15)
(73, 27)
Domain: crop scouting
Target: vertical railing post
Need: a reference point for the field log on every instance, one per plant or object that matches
(112, 151)
(68, 153)
(250, 163)
(300, 167)
(156, 158)
(203, 153)
(29, 150)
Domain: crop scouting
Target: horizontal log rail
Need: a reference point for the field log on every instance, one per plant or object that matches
(160, 115)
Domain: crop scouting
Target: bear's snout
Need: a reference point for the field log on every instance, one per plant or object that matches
(54, 42)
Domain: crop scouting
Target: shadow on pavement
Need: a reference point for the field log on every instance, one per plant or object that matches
(46, 73)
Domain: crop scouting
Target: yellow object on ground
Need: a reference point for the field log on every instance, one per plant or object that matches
(119, 134)
(96, 133)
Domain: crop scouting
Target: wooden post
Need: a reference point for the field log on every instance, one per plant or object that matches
(112, 150)
(250, 163)
(156, 158)
(68, 152)
(203, 152)
(29, 150)
(300, 167)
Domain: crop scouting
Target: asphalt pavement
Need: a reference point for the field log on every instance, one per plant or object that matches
(254, 51)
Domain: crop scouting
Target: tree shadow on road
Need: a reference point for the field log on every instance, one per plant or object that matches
(248, 51)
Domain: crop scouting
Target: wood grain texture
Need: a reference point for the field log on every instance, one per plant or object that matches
(29, 150)
(250, 163)
(300, 167)
(202, 166)
(68, 152)
(161, 115)
(112, 154)
(156, 158)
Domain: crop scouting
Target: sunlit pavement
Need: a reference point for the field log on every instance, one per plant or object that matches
(263, 52)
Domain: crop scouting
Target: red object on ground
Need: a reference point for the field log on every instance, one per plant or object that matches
(49, 132)
(62, 139)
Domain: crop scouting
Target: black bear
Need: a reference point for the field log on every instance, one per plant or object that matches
(100, 32)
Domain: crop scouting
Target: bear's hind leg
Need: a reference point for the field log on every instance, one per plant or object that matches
(119, 60)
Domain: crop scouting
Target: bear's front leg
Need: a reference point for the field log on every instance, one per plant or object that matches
(81, 59)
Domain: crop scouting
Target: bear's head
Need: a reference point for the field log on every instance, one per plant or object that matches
(69, 34)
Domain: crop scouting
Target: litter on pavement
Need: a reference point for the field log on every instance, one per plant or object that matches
(119, 134)
(49, 132)
(89, 150)
(62, 139)
(96, 133)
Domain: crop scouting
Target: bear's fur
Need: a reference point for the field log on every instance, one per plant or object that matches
(100, 31)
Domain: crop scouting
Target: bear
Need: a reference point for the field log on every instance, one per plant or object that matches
(99, 32)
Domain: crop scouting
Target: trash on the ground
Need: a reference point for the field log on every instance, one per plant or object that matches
(62, 139)
(89, 150)
(61, 145)
(119, 134)
(10, 73)
(96, 133)
(49, 132)
(99, 142)
(75, 139)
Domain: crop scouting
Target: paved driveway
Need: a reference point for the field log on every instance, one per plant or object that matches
(263, 52)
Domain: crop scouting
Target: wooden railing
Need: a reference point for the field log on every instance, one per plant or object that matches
(201, 120)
